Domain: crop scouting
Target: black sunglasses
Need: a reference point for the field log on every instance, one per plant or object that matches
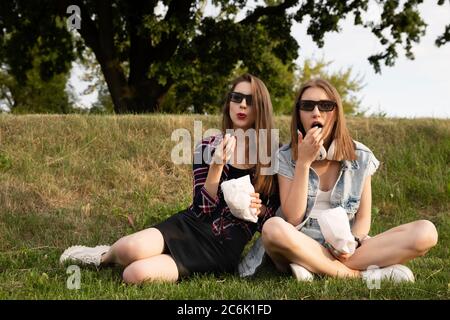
(323, 105)
(237, 97)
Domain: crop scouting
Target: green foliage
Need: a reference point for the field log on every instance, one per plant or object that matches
(94, 76)
(345, 83)
(203, 91)
(34, 95)
(6, 83)
(104, 104)
(30, 29)
(205, 95)
(142, 54)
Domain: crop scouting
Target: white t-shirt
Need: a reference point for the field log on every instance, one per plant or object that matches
(322, 203)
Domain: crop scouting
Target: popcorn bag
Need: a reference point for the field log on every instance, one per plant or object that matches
(335, 228)
(237, 196)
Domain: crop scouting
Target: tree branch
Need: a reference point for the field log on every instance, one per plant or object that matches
(178, 15)
(268, 11)
(443, 38)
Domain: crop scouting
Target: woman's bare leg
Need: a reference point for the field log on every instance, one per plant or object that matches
(141, 254)
(157, 268)
(397, 245)
(285, 244)
(137, 246)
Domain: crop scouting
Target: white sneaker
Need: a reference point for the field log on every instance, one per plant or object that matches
(84, 255)
(396, 273)
(301, 273)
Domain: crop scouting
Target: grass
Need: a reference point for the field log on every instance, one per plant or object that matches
(74, 179)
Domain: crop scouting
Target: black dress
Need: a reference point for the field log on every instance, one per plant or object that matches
(194, 246)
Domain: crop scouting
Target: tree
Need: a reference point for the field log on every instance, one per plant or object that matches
(104, 104)
(6, 83)
(33, 71)
(34, 95)
(346, 84)
(94, 76)
(159, 49)
(283, 85)
(202, 92)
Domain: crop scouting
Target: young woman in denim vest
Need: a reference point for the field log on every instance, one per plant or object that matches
(206, 237)
(342, 178)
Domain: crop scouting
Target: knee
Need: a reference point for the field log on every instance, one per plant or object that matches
(425, 236)
(128, 249)
(274, 233)
(134, 275)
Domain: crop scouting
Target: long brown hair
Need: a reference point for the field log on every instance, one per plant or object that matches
(264, 184)
(344, 146)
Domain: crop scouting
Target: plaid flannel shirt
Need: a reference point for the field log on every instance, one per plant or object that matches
(215, 208)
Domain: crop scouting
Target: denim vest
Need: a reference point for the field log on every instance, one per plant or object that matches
(347, 190)
(345, 193)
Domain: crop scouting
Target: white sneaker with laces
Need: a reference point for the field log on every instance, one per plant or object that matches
(84, 255)
(301, 273)
(396, 273)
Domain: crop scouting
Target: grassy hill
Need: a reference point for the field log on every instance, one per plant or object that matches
(68, 180)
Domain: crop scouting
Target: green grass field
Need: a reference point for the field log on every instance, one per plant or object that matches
(68, 180)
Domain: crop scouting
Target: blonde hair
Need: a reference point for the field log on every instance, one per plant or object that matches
(344, 145)
(265, 184)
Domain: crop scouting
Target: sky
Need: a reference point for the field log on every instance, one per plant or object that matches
(409, 89)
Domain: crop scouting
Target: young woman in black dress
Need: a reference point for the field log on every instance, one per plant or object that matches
(206, 237)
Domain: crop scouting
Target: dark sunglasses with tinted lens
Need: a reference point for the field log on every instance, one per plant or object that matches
(323, 105)
(237, 97)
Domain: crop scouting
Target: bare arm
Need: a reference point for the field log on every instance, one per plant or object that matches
(361, 227)
(293, 194)
(213, 179)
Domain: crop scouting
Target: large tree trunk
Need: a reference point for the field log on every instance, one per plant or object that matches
(116, 84)
(138, 93)
(144, 96)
